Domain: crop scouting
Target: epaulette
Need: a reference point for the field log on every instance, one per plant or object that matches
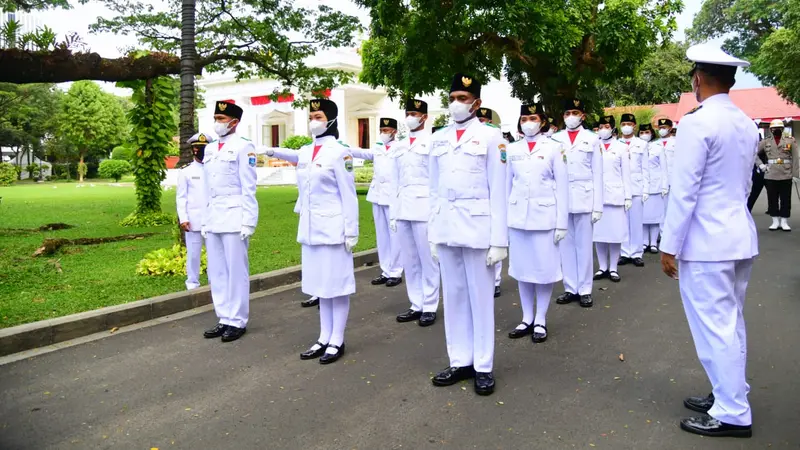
(183, 166)
(245, 139)
(491, 125)
(694, 110)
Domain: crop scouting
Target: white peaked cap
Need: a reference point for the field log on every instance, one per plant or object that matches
(777, 123)
(708, 53)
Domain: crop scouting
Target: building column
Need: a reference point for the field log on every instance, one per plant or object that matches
(338, 97)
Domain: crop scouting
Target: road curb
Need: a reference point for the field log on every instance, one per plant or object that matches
(52, 331)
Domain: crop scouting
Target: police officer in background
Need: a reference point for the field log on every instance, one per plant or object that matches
(487, 116)
(710, 183)
(468, 233)
(782, 169)
(758, 179)
(637, 152)
(191, 201)
(229, 221)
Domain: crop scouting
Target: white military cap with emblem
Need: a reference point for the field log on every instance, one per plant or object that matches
(708, 53)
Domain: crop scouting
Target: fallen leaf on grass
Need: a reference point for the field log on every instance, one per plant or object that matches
(114, 330)
(617, 378)
(500, 403)
(621, 357)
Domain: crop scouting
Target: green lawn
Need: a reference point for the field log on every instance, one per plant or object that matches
(91, 277)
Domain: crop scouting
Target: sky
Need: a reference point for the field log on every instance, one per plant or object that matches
(109, 45)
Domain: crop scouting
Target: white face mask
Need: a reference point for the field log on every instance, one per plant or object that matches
(386, 138)
(604, 133)
(645, 137)
(317, 127)
(222, 128)
(572, 122)
(531, 129)
(627, 130)
(663, 132)
(460, 111)
(550, 132)
(413, 122)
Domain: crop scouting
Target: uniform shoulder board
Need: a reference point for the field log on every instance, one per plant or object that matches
(183, 166)
(694, 110)
(490, 124)
(245, 139)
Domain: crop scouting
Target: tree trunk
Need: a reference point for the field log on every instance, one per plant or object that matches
(80, 172)
(188, 57)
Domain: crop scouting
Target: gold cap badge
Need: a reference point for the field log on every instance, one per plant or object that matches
(662, 121)
(222, 106)
(418, 104)
(386, 121)
(315, 106)
(466, 81)
(202, 138)
(532, 109)
(576, 102)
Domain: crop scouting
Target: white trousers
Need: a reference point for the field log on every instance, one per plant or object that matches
(468, 307)
(498, 273)
(388, 244)
(194, 248)
(229, 277)
(576, 254)
(713, 296)
(422, 272)
(633, 248)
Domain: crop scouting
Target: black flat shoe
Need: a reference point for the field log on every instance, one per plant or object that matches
(379, 280)
(409, 316)
(313, 301)
(215, 332)
(392, 282)
(516, 333)
(566, 298)
(328, 358)
(600, 274)
(699, 404)
(539, 337)
(709, 426)
(638, 262)
(497, 292)
(623, 260)
(614, 277)
(233, 333)
(453, 375)
(484, 383)
(427, 319)
(314, 354)
(587, 301)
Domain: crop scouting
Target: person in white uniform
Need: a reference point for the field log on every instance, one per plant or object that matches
(585, 169)
(538, 211)
(656, 182)
(468, 233)
(191, 201)
(488, 117)
(229, 221)
(711, 180)
(612, 229)
(380, 195)
(328, 229)
(667, 141)
(637, 154)
(410, 211)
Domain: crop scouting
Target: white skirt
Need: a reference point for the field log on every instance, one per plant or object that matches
(612, 228)
(533, 257)
(653, 210)
(327, 271)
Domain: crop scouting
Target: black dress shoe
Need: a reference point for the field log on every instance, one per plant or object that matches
(709, 426)
(453, 375)
(638, 262)
(539, 337)
(314, 354)
(484, 383)
(614, 277)
(566, 298)
(394, 281)
(587, 301)
(623, 260)
(328, 358)
(600, 274)
(233, 333)
(215, 332)
(427, 319)
(379, 280)
(409, 316)
(497, 292)
(516, 333)
(699, 404)
(313, 301)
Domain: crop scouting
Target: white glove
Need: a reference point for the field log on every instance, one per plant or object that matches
(763, 168)
(270, 152)
(628, 204)
(350, 243)
(560, 235)
(434, 252)
(596, 216)
(796, 180)
(393, 225)
(645, 197)
(247, 231)
(664, 192)
(204, 232)
(495, 255)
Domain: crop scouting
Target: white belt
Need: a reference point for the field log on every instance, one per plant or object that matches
(220, 192)
(780, 161)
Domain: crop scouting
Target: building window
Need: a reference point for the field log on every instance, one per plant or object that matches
(363, 133)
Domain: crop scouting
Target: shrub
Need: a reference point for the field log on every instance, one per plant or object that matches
(173, 149)
(114, 168)
(122, 153)
(31, 169)
(8, 174)
(295, 142)
(363, 175)
(147, 220)
(168, 261)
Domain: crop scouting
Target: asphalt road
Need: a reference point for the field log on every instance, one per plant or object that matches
(166, 387)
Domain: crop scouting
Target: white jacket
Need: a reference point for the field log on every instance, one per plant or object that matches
(585, 169)
(231, 185)
(656, 174)
(411, 181)
(616, 173)
(380, 189)
(637, 153)
(191, 198)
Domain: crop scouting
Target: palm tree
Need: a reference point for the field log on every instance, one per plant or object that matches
(188, 59)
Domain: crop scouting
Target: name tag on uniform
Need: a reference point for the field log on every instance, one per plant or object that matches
(517, 158)
(195, 178)
(302, 165)
(437, 144)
